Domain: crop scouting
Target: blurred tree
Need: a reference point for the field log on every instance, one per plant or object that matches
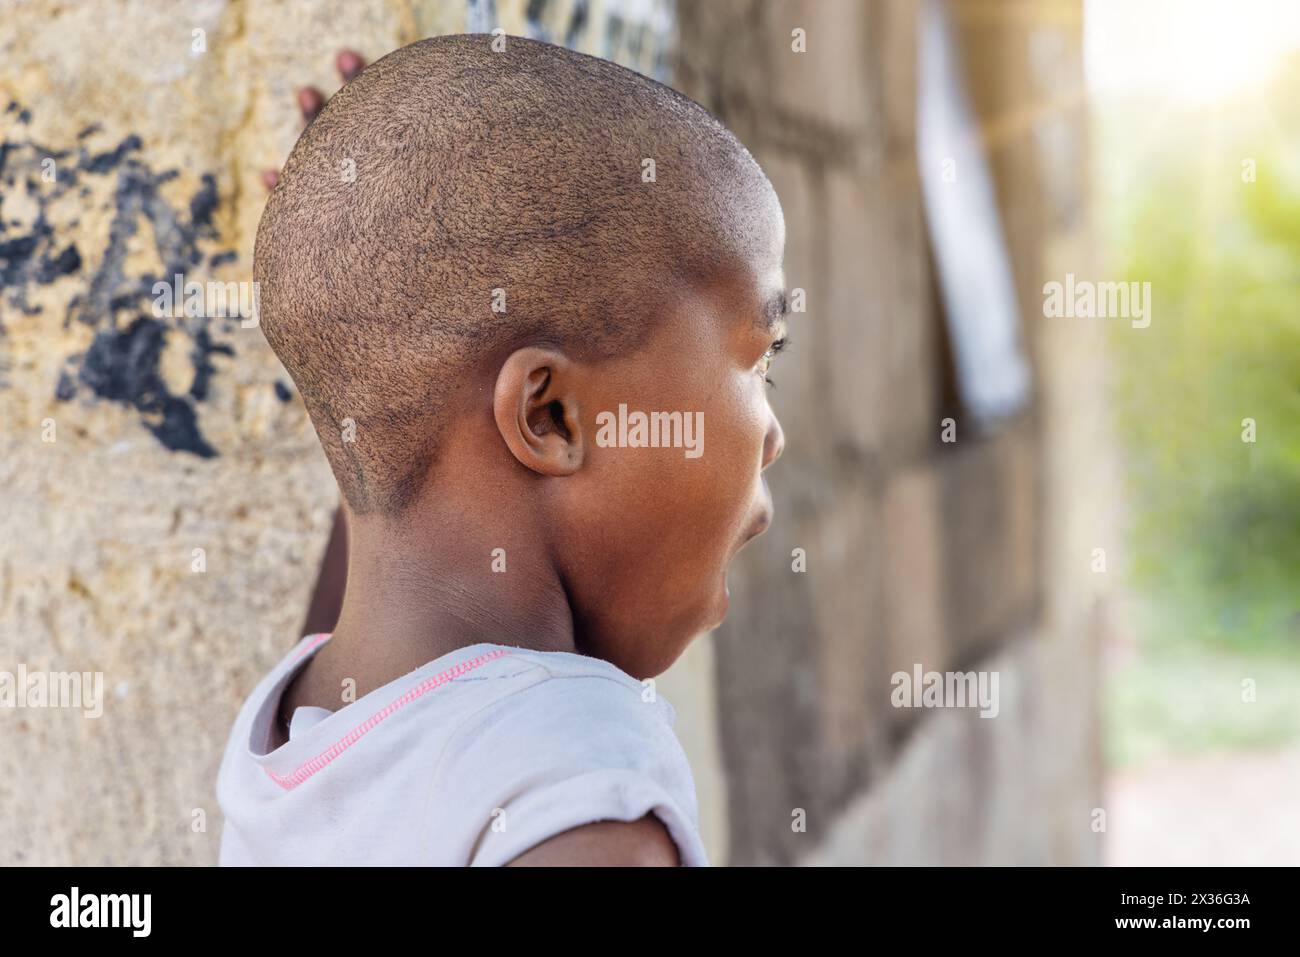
(1216, 521)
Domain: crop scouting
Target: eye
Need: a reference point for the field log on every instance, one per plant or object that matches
(765, 362)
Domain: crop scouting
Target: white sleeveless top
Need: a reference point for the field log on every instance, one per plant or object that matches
(472, 759)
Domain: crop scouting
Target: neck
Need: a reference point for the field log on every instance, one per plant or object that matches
(436, 583)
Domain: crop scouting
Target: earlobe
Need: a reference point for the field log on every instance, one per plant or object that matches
(537, 410)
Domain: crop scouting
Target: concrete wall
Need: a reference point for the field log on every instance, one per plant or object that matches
(917, 551)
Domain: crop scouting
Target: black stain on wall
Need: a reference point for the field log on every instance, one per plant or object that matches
(123, 361)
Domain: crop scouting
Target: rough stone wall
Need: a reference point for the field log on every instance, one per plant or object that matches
(917, 551)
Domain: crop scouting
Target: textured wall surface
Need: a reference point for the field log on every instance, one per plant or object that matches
(918, 551)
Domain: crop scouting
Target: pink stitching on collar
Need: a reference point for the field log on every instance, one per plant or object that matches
(316, 641)
(308, 768)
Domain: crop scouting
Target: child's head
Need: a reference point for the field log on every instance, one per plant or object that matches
(477, 257)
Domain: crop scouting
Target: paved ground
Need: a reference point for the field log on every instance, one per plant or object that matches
(1226, 809)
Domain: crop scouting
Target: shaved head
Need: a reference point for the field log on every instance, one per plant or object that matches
(454, 203)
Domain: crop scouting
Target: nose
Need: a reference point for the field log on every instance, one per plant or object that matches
(774, 441)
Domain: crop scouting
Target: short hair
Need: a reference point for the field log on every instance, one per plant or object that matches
(449, 180)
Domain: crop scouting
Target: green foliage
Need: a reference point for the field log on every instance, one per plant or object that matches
(1174, 703)
(1216, 520)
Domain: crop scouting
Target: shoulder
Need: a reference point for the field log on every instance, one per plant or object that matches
(582, 759)
(569, 713)
(642, 843)
(559, 688)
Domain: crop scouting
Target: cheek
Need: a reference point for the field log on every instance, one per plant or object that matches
(715, 490)
(689, 499)
(688, 502)
(739, 418)
(659, 525)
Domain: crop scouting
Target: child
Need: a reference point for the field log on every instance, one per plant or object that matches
(529, 299)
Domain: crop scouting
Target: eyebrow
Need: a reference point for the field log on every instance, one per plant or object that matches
(776, 308)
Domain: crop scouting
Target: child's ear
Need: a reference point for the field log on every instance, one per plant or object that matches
(537, 411)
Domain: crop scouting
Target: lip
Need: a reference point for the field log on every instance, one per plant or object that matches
(762, 521)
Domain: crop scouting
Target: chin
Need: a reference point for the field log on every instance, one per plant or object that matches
(712, 612)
